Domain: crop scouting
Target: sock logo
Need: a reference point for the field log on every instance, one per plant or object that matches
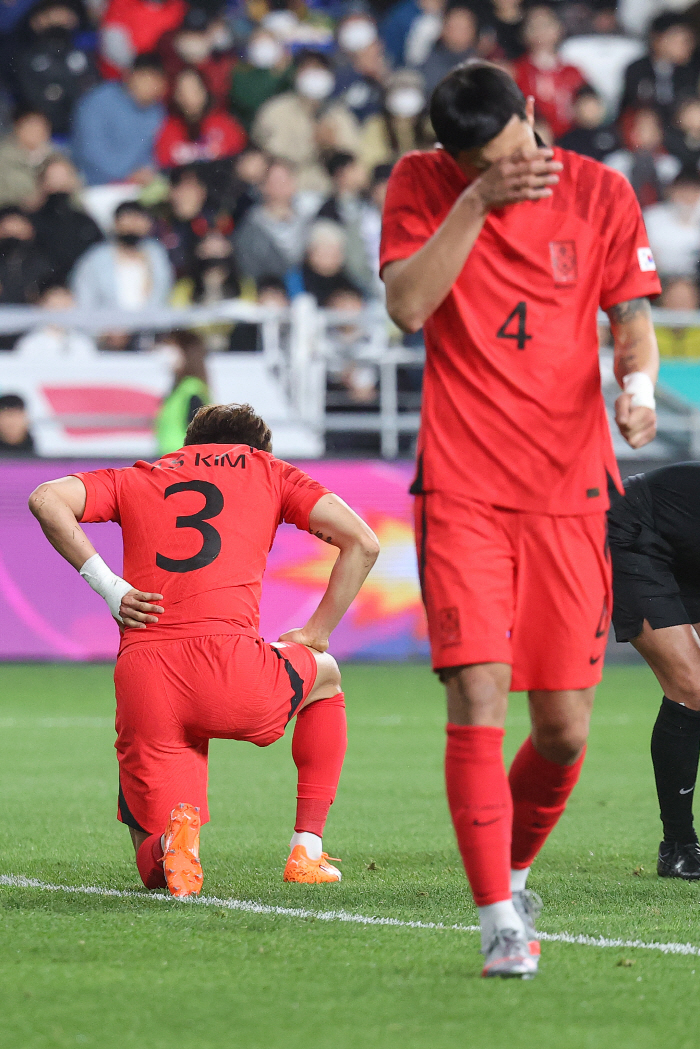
(485, 823)
(688, 791)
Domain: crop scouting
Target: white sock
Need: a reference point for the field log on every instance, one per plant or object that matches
(501, 915)
(518, 879)
(311, 842)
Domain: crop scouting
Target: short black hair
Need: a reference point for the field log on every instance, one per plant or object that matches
(150, 60)
(229, 424)
(11, 400)
(308, 54)
(586, 91)
(667, 20)
(339, 160)
(127, 206)
(270, 283)
(13, 209)
(473, 104)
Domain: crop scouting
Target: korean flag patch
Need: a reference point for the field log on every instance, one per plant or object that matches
(646, 260)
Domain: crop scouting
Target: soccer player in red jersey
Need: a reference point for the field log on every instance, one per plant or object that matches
(504, 251)
(197, 527)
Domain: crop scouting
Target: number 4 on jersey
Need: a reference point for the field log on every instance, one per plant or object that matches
(519, 314)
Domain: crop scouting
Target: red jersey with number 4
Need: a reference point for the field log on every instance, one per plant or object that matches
(197, 528)
(513, 413)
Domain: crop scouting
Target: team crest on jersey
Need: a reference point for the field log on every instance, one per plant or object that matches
(564, 261)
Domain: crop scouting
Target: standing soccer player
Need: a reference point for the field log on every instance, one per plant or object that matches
(197, 527)
(504, 251)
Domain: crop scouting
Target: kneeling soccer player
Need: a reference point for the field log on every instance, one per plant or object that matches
(655, 548)
(197, 527)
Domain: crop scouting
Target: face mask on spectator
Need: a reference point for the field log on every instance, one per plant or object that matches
(264, 53)
(10, 244)
(405, 102)
(316, 84)
(129, 240)
(193, 48)
(356, 34)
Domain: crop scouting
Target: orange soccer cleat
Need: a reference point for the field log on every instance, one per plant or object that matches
(183, 871)
(301, 868)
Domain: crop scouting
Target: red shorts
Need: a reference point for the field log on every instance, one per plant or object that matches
(501, 586)
(174, 696)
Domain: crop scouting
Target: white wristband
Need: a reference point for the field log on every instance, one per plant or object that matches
(105, 583)
(641, 387)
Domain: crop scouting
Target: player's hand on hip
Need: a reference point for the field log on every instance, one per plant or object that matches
(299, 636)
(137, 609)
(636, 424)
(516, 179)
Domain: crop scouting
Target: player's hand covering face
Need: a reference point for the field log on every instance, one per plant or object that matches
(518, 178)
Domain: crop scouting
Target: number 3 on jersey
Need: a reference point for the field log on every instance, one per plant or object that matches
(521, 334)
(211, 540)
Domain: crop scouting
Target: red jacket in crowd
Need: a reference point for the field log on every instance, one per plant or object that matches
(553, 91)
(142, 24)
(219, 136)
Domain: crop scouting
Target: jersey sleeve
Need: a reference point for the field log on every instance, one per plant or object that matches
(406, 224)
(629, 270)
(102, 503)
(300, 493)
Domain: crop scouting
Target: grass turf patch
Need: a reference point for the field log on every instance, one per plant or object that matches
(131, 973)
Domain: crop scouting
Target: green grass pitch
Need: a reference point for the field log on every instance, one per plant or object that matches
(119, 973)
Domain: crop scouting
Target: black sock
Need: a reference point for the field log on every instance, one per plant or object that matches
(675, 749)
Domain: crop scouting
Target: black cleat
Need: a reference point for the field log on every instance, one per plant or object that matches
(679, 861)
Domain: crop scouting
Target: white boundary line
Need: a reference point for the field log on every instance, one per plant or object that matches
(18, 881)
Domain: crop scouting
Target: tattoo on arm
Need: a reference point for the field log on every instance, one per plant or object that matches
(627, 311)
(326, 539)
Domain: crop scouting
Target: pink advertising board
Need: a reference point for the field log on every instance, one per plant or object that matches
(48, 613)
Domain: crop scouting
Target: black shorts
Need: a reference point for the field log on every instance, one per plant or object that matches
(649, 582)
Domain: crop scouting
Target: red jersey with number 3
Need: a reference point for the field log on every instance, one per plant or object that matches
(512, 412)
(197, 528)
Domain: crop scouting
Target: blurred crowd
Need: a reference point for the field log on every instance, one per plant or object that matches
(158, 152)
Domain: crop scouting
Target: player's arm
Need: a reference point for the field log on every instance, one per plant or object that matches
(636, 370)
(334, 522)
(416, 286)
(58, 507)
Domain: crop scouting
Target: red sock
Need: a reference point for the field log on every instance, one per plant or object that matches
(540, 790)
(149, 860)
(481, 808)
(318, 748)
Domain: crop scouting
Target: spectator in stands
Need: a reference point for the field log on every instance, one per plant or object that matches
(402, 126)
(372, 222)
(346, 206)
(668, 72)
(196, 130)
(324, 270)
(63, 230)
(50, 72)
(271, 238)
(645, 162)
(303, 124)
(361, 69)
(266, 72)
(131, 28)
(409, 30)
(590, 135)
(22, 153)
(682, 140)
(356, 380)
(240, 190)
(680, 293)
(674, 228)
(506, 19)
(193, 44)
(130, 271)
(542, 74)
(115, 126)
(457, 43)
(24, 269)
(190, 390)
(15, 434)
(179, 221)
(247, 337)
(52, 341)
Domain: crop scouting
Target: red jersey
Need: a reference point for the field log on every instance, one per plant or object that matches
(553, 90)
(220, 135)
(197, 528)
(512, 412)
